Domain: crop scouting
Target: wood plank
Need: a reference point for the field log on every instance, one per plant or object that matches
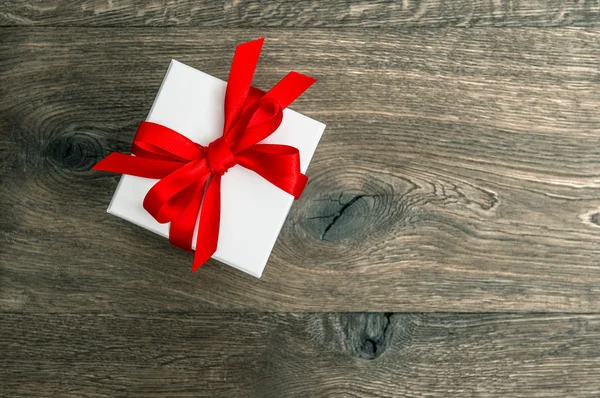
(300, 355)
(459, 172)
(289, 13)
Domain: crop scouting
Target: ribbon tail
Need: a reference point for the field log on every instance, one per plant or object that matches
(136, 166)
(289, 88)
(240, 77)
(208, 228)
(181, 231)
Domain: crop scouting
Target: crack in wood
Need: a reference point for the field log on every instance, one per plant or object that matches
(337, 216)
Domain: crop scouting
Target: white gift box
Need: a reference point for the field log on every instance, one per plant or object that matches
(252, 209)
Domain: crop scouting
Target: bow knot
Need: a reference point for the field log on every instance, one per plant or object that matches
(219, 157)
(189, 175)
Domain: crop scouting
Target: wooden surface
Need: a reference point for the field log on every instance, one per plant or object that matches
(294, 14)
(459, 172)
(302, 355)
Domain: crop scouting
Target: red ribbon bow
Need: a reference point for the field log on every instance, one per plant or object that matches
(190, 174)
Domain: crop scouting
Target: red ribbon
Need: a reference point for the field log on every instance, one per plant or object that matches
(190, 174)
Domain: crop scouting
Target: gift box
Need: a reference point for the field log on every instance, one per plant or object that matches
(251, 210)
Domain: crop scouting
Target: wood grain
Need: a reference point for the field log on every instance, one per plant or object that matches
(300, 355)
(459, 172)
(289, 13)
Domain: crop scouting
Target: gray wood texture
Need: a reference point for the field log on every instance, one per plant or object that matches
(459, 172)
(300, 355)
(294, 14)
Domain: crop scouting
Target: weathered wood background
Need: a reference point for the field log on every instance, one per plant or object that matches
(301, 355)
(460, 172)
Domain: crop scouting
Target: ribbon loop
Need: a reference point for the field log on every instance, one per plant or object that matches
(257, 123)
(190, 174)
(161, 200)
